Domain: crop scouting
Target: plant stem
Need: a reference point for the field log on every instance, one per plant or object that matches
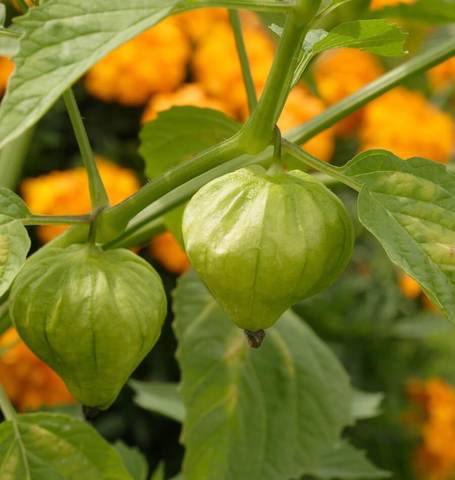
(416, 65)
(307, 159)
(5, 405)
(258, 131)
(57, 220)
(243, 57)
(98, 193)
(113, 220)
(255, 5)
(12, 158)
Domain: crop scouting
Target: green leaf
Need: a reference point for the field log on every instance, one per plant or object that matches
(427, 11)
(159, 473)
(14, 246)
(177, 134)
(346, 462)
(409, 206)
(11, 205)
(46, 446)
(375, 36)
(161, 398)
(421, 326)
(254, 414)
(61, 40)
(174, 137)
(366, 405)
(133, 460)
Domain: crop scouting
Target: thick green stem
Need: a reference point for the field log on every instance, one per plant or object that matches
(113, 220)
(307, 159)
(57, 220)
(275, 6)
(98, 193)
(258, 131)
(350, 104)
(5, 405)
(12, 159)
(243, 58)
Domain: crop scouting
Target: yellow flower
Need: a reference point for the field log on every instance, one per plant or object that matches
(29, 382)
(340, 73)
(197, 23)
(375, 4)
(155, 61)
(434, 401)
(443, 75)
(6, 68)
(300, 107)
(189, 94)
(66, 192)
(166, 251)
(407, 124)
(217, 68)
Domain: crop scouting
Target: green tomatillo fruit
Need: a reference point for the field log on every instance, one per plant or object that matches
(92, 315)
(262, 241)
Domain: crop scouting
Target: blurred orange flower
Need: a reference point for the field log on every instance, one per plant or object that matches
(66, 192)
(339, 73)
(407, 124)
(197, 23)
(155, 61)
(189, 94)
(6, 68)
(29, 382)
(434, 401)
(408, 286)
(375, 4)
(443, 75)
(166, 251)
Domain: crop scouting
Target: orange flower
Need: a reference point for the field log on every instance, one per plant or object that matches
(29, 382)
(409, 287)
(216, 65)
(443, 75)
(197, 23)
(340, 73)
(300, 107)
(6, 68)
(155, 61)
(375, 4)
(66, 192)
(435, 404)
(189, 94)
(166, 251)
(406, 123)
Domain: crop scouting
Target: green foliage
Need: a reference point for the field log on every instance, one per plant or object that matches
(134, 461)
(11, 205)
(345, 462)
(159, 397)
(408, 206)
(32, 447)
(159, 473)
(376, 36)
(5, 321)
(73, 36)
(266, 414)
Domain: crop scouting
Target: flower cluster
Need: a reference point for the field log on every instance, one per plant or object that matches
(29, 382)
(155, 61)
(407, 124)
(443, 75)
(67, 193)
(376, 4)
(434, 401)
